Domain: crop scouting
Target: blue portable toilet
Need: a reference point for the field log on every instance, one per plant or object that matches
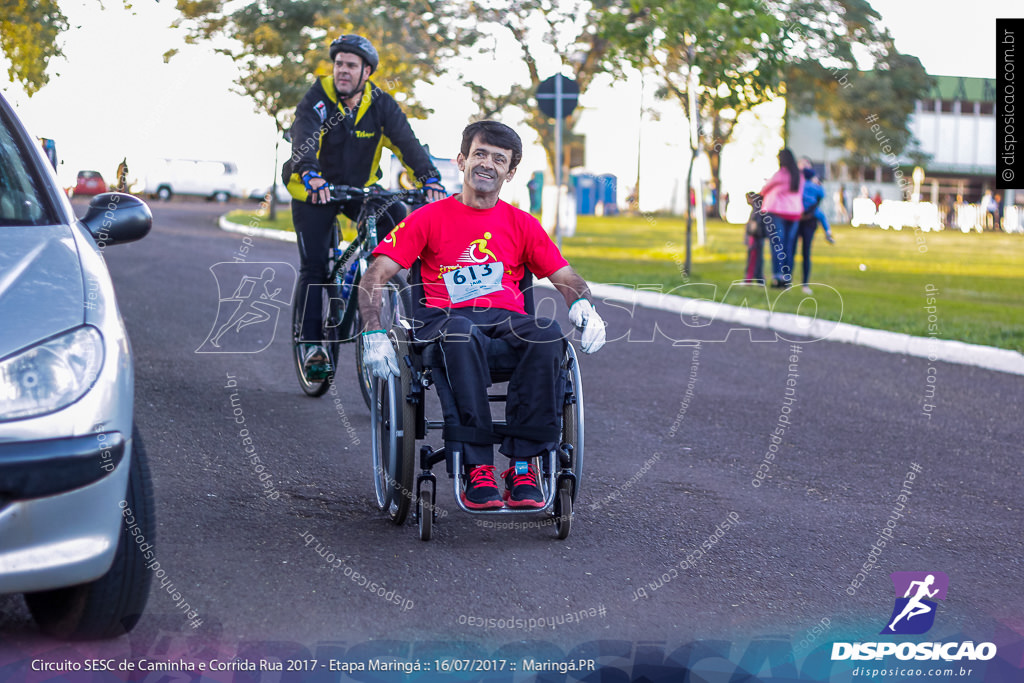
(586, 193)
(536, 190)
(607, 193)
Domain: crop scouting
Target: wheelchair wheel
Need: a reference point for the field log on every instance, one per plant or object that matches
(394, 455)
(572, 416)
(563, 510)
(425, 514)
(328, 337)
(395, 304)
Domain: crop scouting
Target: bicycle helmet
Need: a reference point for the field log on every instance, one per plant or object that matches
(357, 45)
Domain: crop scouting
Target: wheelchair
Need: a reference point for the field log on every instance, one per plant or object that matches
(403, 478)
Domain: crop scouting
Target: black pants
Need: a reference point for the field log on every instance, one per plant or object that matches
(314, 228)
(805, 233)
(755, 247)
(535, 390)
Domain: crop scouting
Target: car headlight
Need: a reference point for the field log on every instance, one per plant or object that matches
(50, 375)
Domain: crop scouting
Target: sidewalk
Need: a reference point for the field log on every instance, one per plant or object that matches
(988, 357)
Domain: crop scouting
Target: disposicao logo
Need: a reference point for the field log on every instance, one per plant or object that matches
(913, 613)
(916, 592)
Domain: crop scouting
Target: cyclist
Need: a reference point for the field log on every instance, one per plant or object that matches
(341, 127)
(475, 230)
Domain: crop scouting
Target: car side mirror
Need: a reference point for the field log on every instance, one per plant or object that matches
(116, 218)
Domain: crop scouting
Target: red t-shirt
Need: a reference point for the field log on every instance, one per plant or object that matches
(448, 235)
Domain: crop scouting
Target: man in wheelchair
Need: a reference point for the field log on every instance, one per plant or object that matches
(473, 250)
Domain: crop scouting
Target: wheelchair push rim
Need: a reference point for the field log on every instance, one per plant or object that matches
(572, 418)
(393, 307)
(393, 457)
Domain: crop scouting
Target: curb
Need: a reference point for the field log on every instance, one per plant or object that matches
(253, 231)
(950, 351)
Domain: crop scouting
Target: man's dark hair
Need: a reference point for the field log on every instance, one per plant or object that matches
(493, 133)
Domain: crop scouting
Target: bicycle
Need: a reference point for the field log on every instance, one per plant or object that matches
(346, 265)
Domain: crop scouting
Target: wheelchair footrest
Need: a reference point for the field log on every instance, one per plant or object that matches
(550, 483)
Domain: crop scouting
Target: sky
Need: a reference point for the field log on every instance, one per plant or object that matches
(113, 96)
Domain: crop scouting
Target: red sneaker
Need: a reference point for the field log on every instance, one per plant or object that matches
(481, 492)
(522, 487)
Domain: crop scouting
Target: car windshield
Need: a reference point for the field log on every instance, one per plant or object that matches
(22, 199)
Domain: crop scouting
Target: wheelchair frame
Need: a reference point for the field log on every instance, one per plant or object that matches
(397, 417)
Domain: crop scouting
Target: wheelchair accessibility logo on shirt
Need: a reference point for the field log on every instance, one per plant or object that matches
(250, 297)
(477, 251)
(916, 601)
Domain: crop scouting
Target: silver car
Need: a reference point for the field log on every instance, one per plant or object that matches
(76, 503)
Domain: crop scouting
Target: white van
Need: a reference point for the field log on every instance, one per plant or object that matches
(211, 179)
(451, 176)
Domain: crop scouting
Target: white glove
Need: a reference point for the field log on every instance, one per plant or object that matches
(583, 316)
(379, 355)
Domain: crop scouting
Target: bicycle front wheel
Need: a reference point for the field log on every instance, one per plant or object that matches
(331, 316)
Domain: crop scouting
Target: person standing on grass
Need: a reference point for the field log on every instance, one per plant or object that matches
(814, 193)
(755, 233)
(989, 209)
(842, 214)
(783, 203)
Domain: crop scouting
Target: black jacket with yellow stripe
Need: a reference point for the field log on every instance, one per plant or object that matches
(345, 146)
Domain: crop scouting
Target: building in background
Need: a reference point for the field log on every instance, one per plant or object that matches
(954, 124)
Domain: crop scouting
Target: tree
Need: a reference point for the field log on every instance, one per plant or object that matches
(753, 50)
(280, 46)
(733, 53)
(868, 111)
(823, 78)
(565, 32)
(28, 38)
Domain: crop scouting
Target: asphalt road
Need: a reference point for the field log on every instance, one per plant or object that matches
(675, 437)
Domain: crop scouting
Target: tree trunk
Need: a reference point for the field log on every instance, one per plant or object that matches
(720, 135)
(545, 129)
(715, 161)
(273, 188)
(690, 208)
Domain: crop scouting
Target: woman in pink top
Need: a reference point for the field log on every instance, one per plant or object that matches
(783, 202)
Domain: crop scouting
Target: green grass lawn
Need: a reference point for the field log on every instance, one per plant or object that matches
(259, 218)
(978, 277)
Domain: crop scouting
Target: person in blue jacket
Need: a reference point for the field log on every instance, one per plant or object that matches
(814, 193)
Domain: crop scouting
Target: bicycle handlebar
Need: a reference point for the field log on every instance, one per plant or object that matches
(344, 193)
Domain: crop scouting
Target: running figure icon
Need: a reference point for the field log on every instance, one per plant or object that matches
(917, 596)
(915, 606)
(250, 310)
(250, 298)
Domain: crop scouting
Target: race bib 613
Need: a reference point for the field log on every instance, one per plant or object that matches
(471, 282)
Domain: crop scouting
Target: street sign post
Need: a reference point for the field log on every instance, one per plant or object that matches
(557, 97)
